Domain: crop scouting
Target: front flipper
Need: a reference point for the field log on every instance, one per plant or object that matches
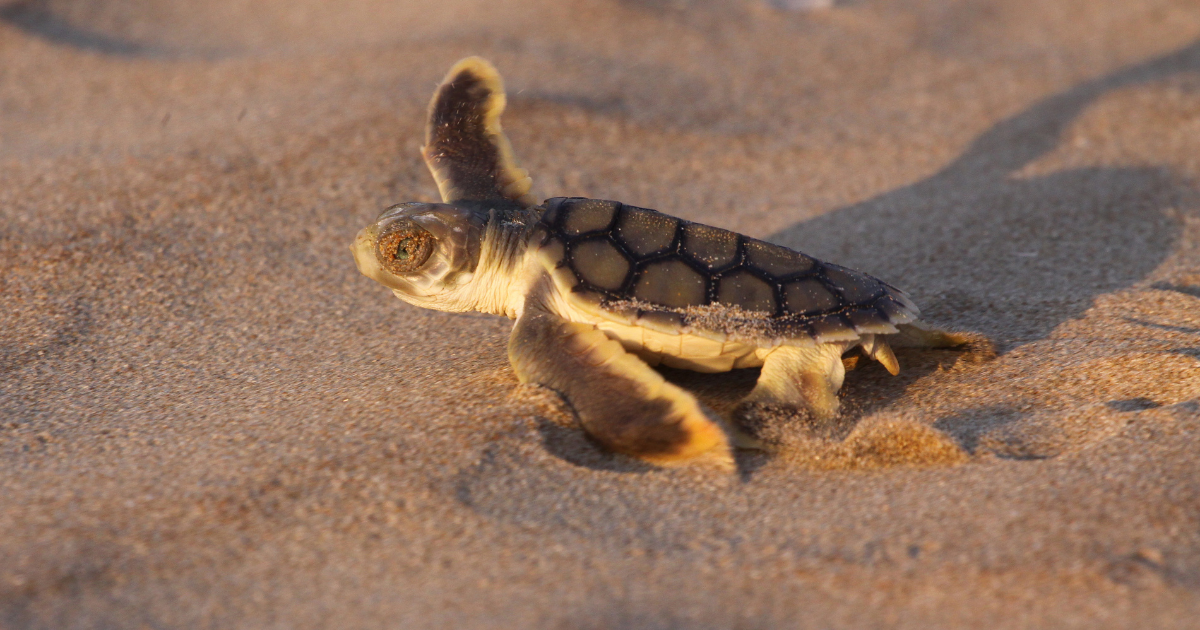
(465, 149)
(620, 401)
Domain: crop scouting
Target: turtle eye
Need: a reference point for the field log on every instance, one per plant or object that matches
(405, 249)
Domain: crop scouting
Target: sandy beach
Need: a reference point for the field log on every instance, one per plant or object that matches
(209, 419)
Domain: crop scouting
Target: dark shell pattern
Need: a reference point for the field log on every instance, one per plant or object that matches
(672, 274)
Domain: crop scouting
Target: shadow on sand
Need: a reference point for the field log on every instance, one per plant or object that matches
(1067, 237)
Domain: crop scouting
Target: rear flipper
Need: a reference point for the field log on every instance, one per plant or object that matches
(803, 377)
(809, 377)
(620, 401)
(918, 334)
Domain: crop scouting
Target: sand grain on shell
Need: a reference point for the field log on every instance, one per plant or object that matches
(209, 419)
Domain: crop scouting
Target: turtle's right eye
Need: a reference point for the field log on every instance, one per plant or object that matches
(404, 249)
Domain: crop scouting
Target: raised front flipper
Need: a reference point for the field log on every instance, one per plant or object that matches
(620, 401)
(465, 149)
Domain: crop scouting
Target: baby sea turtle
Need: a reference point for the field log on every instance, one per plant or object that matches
(601, 291)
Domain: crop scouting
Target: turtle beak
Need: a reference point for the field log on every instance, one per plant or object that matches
(361, 249)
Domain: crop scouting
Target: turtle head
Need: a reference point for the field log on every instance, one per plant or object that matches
(425, 252)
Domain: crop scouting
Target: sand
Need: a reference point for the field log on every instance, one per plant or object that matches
(209, 419)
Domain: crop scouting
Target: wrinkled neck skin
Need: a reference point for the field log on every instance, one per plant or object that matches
(496, 286)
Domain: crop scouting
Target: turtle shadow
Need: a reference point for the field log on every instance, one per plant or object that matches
(969, 427)
(982, 246)
(573, 445)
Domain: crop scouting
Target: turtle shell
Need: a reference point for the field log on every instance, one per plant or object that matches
(642, 267)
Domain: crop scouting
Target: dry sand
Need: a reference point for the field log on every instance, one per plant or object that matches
(208, 419)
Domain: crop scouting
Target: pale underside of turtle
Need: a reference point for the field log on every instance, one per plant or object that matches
(601, 291)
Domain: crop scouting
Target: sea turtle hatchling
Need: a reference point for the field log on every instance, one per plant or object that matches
(601, 291)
